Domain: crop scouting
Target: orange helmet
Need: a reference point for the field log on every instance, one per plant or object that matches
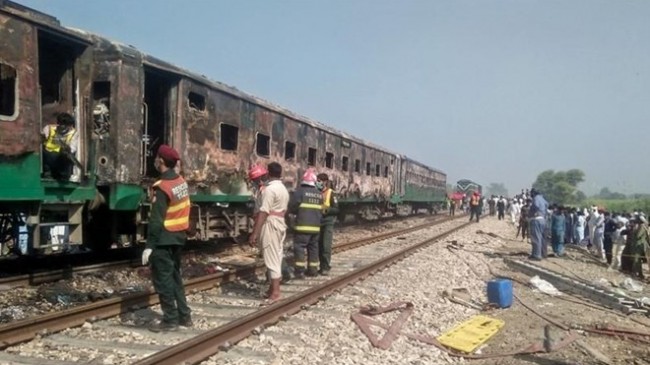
(256, 171)
(309, 177)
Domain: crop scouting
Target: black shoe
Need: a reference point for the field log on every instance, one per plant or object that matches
(186, 322)
(533, 258)
(311, 273)
(299, 276)
(163, 327)
(324, 272)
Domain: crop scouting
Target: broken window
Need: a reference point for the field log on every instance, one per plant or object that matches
(263, 145)
(196, 101)
(344, 163)
(289, 150)
(357, 165)
(229, 137)
(8, 91)
(367, 168)
(311, 157)
(101, 107)
(377, 170)
(385, 171)
(329, 160)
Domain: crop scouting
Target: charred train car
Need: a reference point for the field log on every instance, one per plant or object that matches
(126, 104)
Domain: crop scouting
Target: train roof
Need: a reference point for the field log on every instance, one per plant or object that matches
(154, 62)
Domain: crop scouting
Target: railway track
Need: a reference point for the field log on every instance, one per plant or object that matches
(66, 268)
(199, 345)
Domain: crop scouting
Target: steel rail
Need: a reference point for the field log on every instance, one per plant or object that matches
(211, 342)
(27, 329)
(36, 278)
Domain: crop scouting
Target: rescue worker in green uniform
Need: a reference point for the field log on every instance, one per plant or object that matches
(306, 202)
(330, 211)
(168, 223)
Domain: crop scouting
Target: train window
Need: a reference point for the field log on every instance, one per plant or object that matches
(102, 107)
(377, 170)
(357, 165)
(263, 145)
(367, 168)
(385, 171)
(344, 163)
(329, 160)
(196, 101)
(229, 137)
(311, 157)
(289, 150)
(8, 91)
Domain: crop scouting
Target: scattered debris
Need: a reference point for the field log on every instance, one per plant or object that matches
(544, 286)
(471, 334)
(632, 285)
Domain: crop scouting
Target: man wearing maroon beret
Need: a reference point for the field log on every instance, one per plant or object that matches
(168, 223)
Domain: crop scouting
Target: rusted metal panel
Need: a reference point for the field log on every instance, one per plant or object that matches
(19, 133)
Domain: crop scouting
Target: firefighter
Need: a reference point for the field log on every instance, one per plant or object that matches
(168, 223)
(306, 202)
(330, 211)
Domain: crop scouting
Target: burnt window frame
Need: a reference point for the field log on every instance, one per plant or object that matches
(377, 170)
(221, 137)
(294, 156)
(196, 108)
(386, 171)
(368, 168)
(345, 163)
(16, 94)
(312, 160)
(268, 144)
(357, 166)
(329, 160)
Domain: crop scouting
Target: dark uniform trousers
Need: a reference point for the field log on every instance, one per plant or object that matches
(308, 242)
(325, 246)
(166, 277)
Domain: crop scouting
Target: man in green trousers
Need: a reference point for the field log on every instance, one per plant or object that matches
(330, 211)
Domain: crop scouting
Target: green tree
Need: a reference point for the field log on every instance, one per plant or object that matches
(560, 187)
(607, 194)
(496, 189)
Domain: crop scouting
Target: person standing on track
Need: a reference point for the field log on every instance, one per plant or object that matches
(501, 207)
(168, 223)
(558, 229)
(475, 206)
(537, 214)
(270, 227)
(330, 211)
(306, 202)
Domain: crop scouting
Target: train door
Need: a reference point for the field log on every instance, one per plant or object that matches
(158, 113)
(59, 86)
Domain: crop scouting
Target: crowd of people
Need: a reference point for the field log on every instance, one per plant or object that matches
(620, 239)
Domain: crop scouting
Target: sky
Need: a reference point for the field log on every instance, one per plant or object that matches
(495, 91)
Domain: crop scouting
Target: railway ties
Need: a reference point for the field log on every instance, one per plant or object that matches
(124, 339)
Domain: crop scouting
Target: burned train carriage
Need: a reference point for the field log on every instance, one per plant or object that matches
(127, 104)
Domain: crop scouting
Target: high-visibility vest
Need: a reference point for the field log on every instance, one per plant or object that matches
(54, 142)
(327, 196)
(177, 217)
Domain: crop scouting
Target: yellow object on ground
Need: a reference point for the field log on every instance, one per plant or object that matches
(471, 334)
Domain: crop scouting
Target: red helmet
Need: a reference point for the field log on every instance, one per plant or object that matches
(309, 177)
(256, 171)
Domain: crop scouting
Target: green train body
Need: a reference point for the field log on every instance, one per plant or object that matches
(126, 104)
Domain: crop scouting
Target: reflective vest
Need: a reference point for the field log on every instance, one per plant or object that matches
(327, 196)
(177, 217)
(309, 210)
(54, 141)
(475, 200)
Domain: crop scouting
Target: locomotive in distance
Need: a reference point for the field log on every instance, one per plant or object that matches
(127, 103)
